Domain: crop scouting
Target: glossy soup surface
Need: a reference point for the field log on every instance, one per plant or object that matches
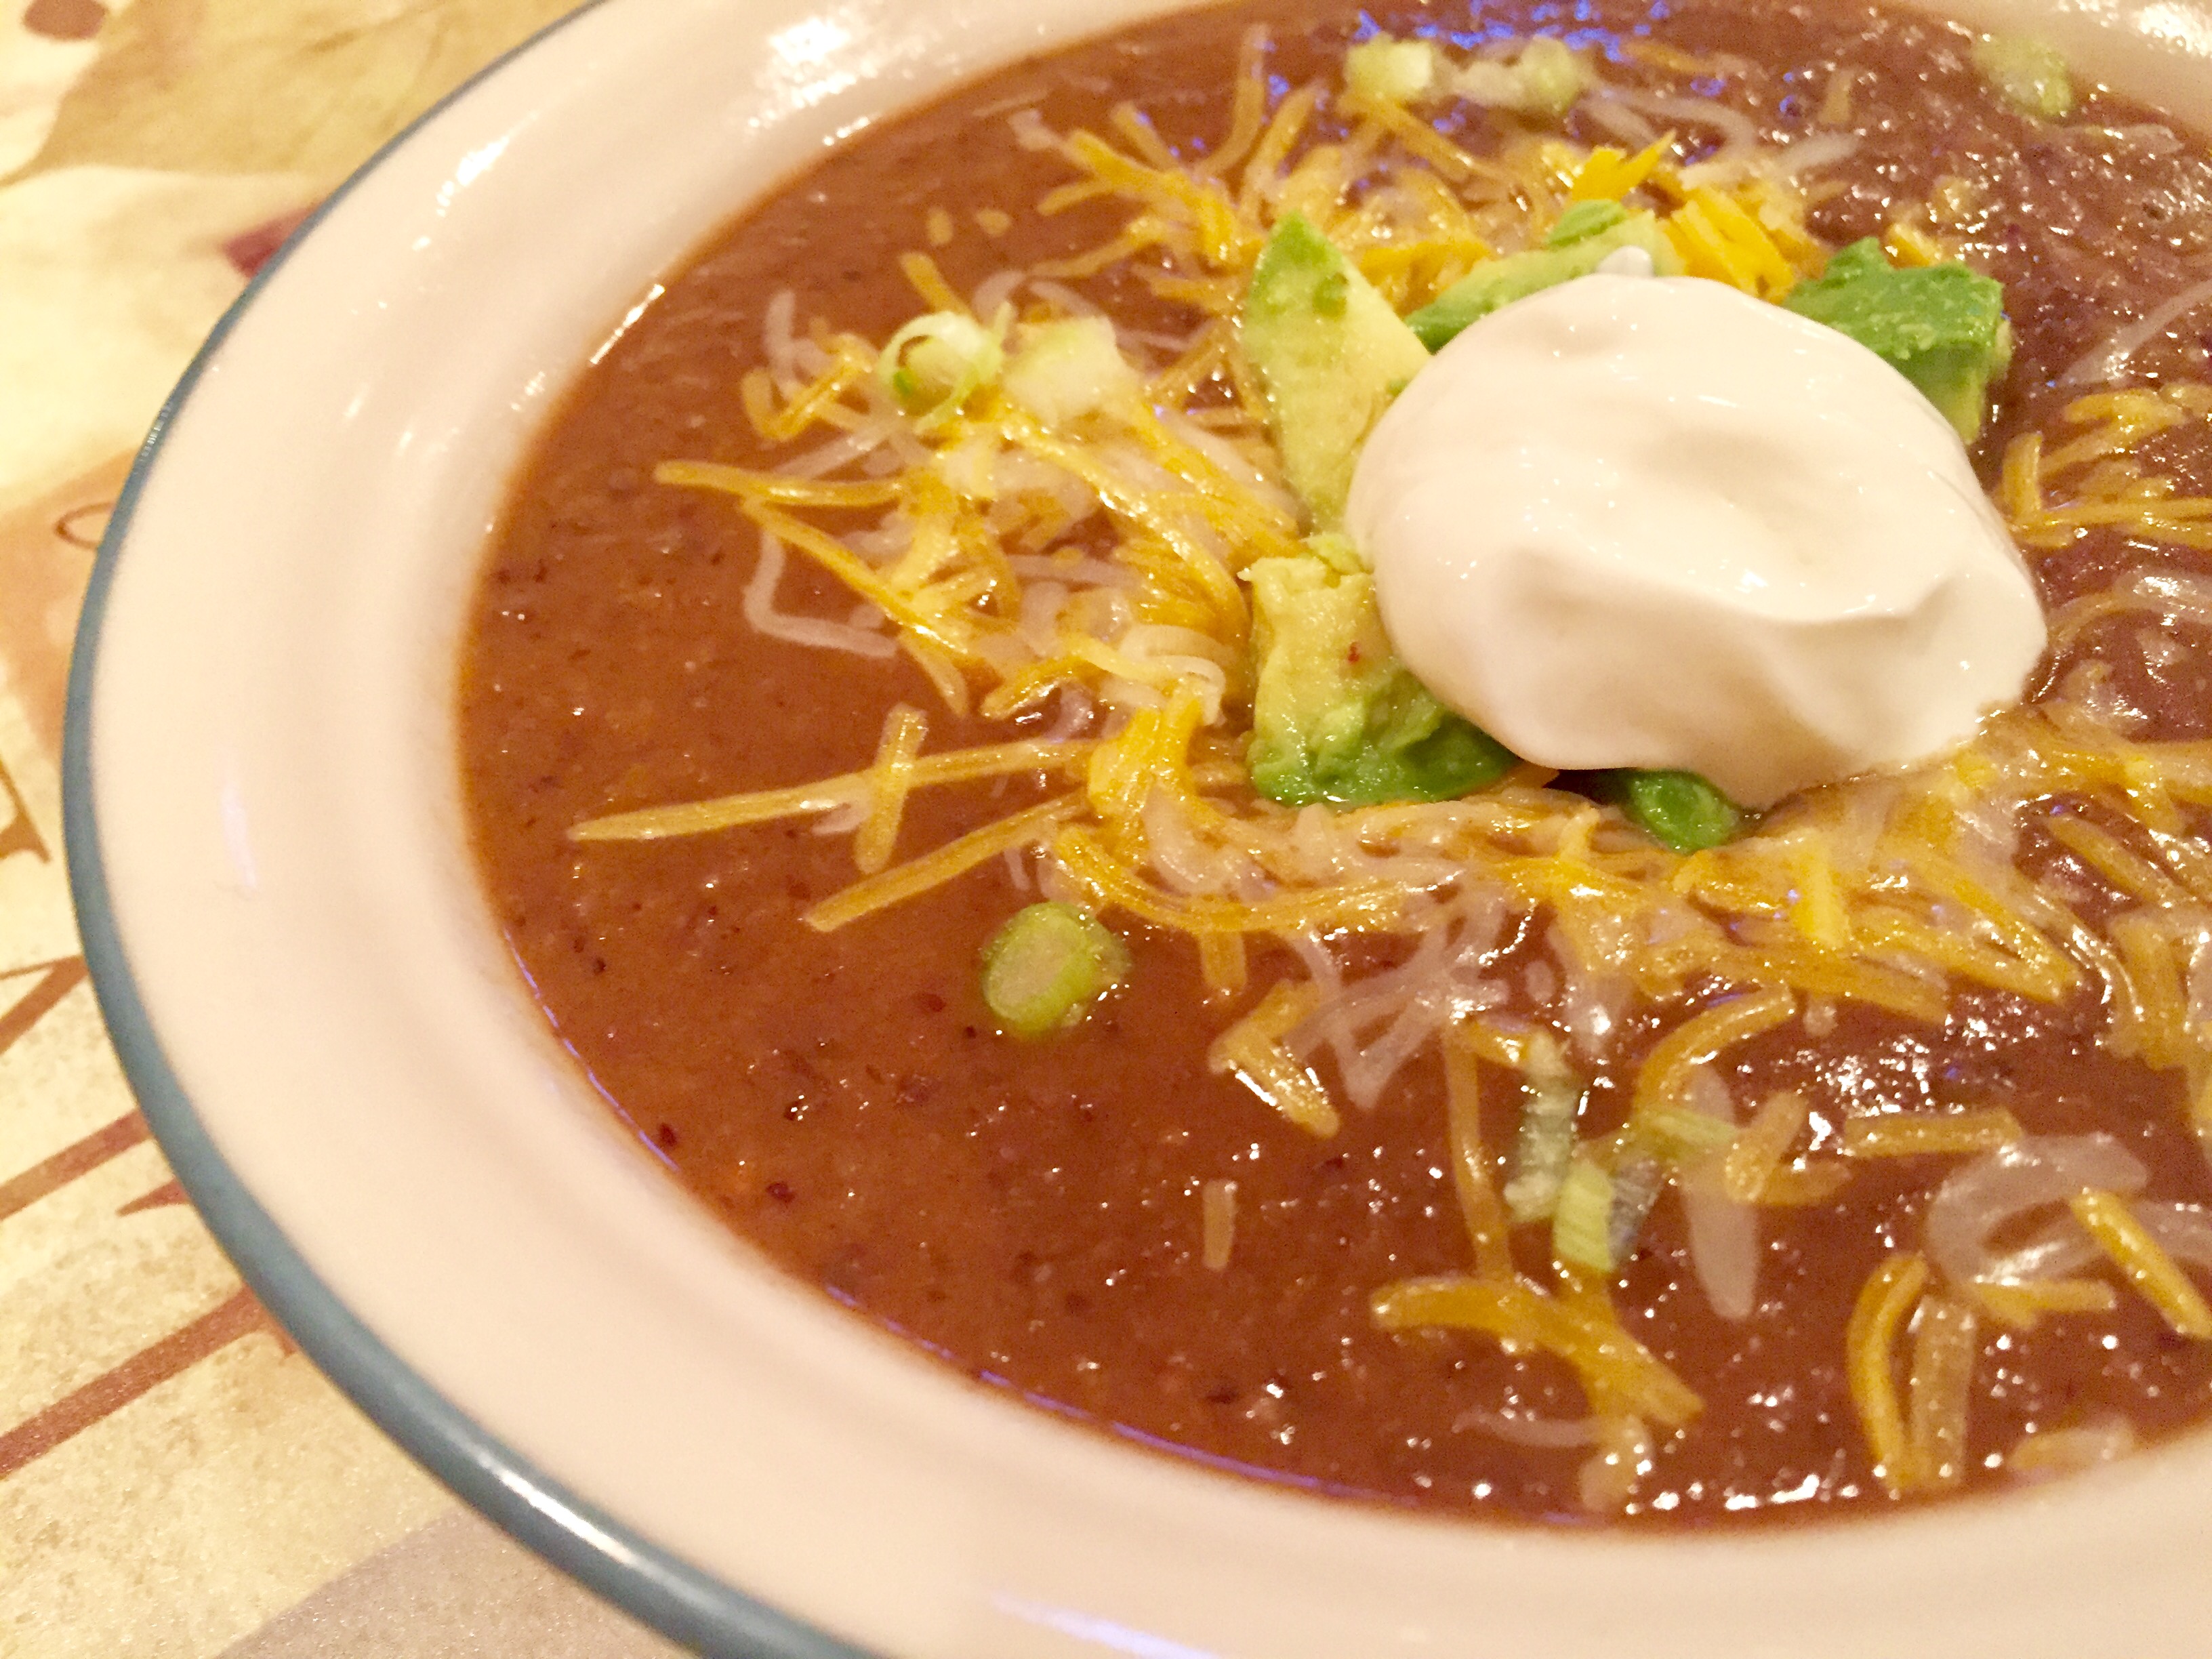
(1032, 1211)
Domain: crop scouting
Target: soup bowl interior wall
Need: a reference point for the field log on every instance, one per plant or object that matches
(311, 997)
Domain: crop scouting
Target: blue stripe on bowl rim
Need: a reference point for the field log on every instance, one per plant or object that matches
(671, 1595)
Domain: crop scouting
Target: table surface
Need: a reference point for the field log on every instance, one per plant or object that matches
(176, 1480)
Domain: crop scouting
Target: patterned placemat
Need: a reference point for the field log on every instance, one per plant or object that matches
(175, 1479)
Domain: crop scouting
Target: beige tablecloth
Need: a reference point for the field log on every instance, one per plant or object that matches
(174, 1479)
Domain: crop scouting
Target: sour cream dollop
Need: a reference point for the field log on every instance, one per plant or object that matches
(1654, 522)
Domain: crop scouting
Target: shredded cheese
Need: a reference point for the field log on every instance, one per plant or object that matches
(1221, 957)
(1607, 1479)
(2143, 1263)
(766, 805)
(1218, 1214)
(2066, 1451)
(1719, 239)
(2095, 479)
(1760, 1148)
(1253, 1050)
(1607, 174)
(1485, 1213)
(1870, 1345)
(909, 880)
(2022, 1306)
(890, 781)
(1919, 1134)
(1945, 1346)
(1620, 1374)
(1663, 1079)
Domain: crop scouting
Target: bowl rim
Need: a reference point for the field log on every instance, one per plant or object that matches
(646, 1580)
(614, 1558)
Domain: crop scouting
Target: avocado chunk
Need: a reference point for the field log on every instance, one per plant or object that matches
(1586, 234)
(1331, 353)
(1678, 810)
(1336, 717)
(1941, 326)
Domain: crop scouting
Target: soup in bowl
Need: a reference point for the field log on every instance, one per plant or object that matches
(1430, 1114)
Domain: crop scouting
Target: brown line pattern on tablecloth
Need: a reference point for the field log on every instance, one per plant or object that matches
(79, 1159)
(239, 1316)
(21, 835)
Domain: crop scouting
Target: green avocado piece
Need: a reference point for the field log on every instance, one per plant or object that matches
(1336, 717)
(1941, 326)
(1585, 234)
(1679, 809)
(1583, 219)
(1331, 353)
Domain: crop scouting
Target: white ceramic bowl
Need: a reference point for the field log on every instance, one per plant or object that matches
(306, 989)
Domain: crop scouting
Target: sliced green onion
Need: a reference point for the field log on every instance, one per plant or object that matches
(1388, 71)
(1581, 1225)
(1546, 1141)
(2027, 73)
(1066, 370)
(936, 362)
(1544, 81)
(1684, 1135)
(1044, 969)
(1551, 77)
(1637, 1180)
